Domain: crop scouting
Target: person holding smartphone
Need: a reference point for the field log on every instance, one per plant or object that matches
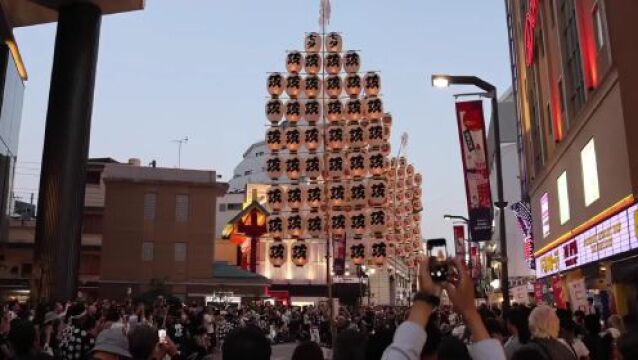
(411, 336)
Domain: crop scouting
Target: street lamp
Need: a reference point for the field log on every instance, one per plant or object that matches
(457, 217)
(447, 80)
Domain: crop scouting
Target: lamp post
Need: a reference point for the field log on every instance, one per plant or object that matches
(447, 80)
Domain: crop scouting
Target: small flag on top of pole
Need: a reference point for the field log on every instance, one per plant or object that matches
(324, 13)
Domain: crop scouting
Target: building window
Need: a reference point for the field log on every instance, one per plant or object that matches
(235, 206)
(147, 251)
(26, 270)
(150, 206)
(563, 105)
(590, 172)
(181, 208)
(550, 122)
(222, 207)
(545, 214)
(93, 177)
(180, 252)
(247, 172)
(571, 56)
(563, 198)
(598, 27)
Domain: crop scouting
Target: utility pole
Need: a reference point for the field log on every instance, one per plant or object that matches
(180, 142)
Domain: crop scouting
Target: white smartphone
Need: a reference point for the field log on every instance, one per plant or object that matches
(161, 333)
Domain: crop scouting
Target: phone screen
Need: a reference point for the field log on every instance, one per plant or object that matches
(437, 249)
(161, 333)
(437, 252)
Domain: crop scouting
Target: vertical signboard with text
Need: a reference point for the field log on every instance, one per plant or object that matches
(339, 254)
(459, 241)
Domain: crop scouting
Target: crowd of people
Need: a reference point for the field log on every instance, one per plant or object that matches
(110, 330)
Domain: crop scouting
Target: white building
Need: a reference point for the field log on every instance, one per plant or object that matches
(251, 169)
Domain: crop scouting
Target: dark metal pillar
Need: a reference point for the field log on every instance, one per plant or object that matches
(65, 153)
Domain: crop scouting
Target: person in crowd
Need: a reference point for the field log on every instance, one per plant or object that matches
(544, 327)
(350, 345)
(517, 325)
(111, 344)
(246, 343)
(599, 348)
(411, 336)
(528, 353)
(495, 329)
(22, 338)
(452, 348)
(615, 326)
(569, 337)
(378, 342)
(144, 344)
(79, 337)
(307, 350)
(628, 342)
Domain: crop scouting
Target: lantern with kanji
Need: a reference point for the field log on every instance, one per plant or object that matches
(373, 108)
(312, 166)
(294, 85)
(336, 137)
(385, 149)
(377, 220)
(352, 85)
(293, 167)
(409, 171)
(387, 119)
(274, 167)
(358, 254)
(294, 111)
(277, 254)
(294, 62)
(357, 194)
(338, 223)
(312, 111)
(276, 84)
(353, 110)
(372, 83)
(314, 224)
(334, 110)
(274, 110)
(379, 252)
(377, 163)
(403, 162)
(336, 165)
(294, 197)
(333, 42)
(275, 226)
(351, 62)
(274, 138)
(333, 86)
(416, 205)
(337, 194)
(357, 222)
(375, 134)
(299, 253)
(311, 138)
(357, 164)
(377, 192)
(314, 195)
(293, 138)
(294, 225)
(313, 64)
(332, 63)
(416, 217)
(312, 86)
(275, 198)
(312, 43)
(356, 136)
(417, 193)
(418, 179)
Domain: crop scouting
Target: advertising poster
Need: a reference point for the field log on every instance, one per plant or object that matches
(577, 294)
(475, 167)
(557, 289)
(538, 293)
(339, 254)
(459, 240)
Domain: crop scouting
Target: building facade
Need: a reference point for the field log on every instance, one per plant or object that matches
(576, 87)
(251, 169)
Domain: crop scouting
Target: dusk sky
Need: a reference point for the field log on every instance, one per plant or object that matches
(198, 68)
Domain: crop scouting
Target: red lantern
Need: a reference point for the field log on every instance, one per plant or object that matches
(276, 226)
(294, 111)
(351, 62)
(373, 108)
(357, 222)
(312, 86)
(358, 253)
(277, 254)
(312, 43)
(336, 166)
(293, 139)
(294, 225)
(334, 42)
(274, 167)
(333, 86)
(294, 85)
(313, 64)
(375, 134)
(409, 171)
(357, 164)
(356, 136)
(312, 111)
(387, 119)
(338, 223)
(337, 194)
(274, 111)
(416, 217)
(403, 162)
(377, 163)
(353, 110)
(273, 138)
(378, 220)
(377, 192)
(334, 110)
(293, 167)
(312, 138)
(372, 83)
(294, 197)
(385, 149)
(416, 205)
(417, 193)
(313, 166)
(332, 63)
(299, 253)
(275, 84)
(294, 62)
(357, 194)
(379, 252)
(352, 84)
(314, 225)
(418, 179)
(336, 137)
(314, 195)
(275, 197)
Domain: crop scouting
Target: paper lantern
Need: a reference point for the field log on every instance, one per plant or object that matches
(294, 85)
(294, 111)
(387, 131)
(377, 192)
(387, 119)
(333, 42)
(311, 138)
(353, 110)
(416, 217)
(372, 83)
(375, 134)
(275, 198)
(314, 224)
(352, 85)
(275, 84)
(409, 171)
(409, 181)
(314, 195)
(357, 164)
(312, 86)
(337, 194)
(357, 194)
(377, 220)
(293, 138)
(334, 110)
(276, 226)
(373, 108)
(417, 193)
(408, 195)
(277, 254)
(351, 62)
(294, 225)
(407, 208)
(336, 166)
(312, 111)
(274, 110)
(312, 42)
(385, 149)
(356, 136)
(313, 166)
(332, 63)
(274, 167)
(416, 205)
(379, 252)
(403, 162)
(333, 86)
(358, 254)
(357, 222)
(418, 179)
(294, 62)
(294, 197)
(313, 64)
(299, 253)
(377, 163)
(293, 168)
(336, 137)
(338, 223)
(400, 196)
(273, 138)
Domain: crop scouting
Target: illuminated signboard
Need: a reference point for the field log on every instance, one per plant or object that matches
(613, 236)
(545, 214)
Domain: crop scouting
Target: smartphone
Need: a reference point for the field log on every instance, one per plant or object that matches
(439, 262)
(161, 333)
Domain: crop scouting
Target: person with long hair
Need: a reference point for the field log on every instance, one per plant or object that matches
(517, 324)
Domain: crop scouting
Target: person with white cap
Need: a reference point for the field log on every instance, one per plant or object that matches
(111, 344)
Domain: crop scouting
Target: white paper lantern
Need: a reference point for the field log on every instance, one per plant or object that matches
(332, 63)
(334, 110)
(299, 253)
(313, 64)
(276, 84)
(333, 86)
(293, 138)
(372, 83)
(293, 167)
(337, 194)
(334, 42)
(275, 198)
(338, 223)
(294, 85)
(418, 179)
(294, 225)
(351, 62)
(357, 164)
(336, 166)
(357, 222)
(377, 192)
(416, 218)
(417, 193)
(277, 254)
(356, 136)
(294, 62)
(315, 224)
(352, 85)
(312, 42)
(312, 166)
(294, 197)
(274, 138)
(377, 220)
(357, 193)
(385, 149)
(313, 194)
(387, 119)
(312, 138)
(358, 253)
(403, 162)
(377, 163)
(416, 205)
(409, 171)
(335, 137)
(276, 226)
(353, 110)
(379, 252)
(294, 111)
(373, 108)
(312, 86)
(274, 167)
(375, 134)
(274, 110)
(312, 111)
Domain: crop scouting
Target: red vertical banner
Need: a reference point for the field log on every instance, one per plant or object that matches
(475, 168)
(339, 254)
(476, 261)
(557, 289)
(459, 241)
(538, 292)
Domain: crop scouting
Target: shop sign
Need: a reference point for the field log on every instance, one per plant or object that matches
(459, 241)
(545, 214)
(519, 293)
(577, 294)
(538, 292)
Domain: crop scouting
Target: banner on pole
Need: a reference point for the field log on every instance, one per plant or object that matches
(339, 254)
(459, 240)
(475, 168)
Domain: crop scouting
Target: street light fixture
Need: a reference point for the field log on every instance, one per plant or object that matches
(440, 80)
(457, 217)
